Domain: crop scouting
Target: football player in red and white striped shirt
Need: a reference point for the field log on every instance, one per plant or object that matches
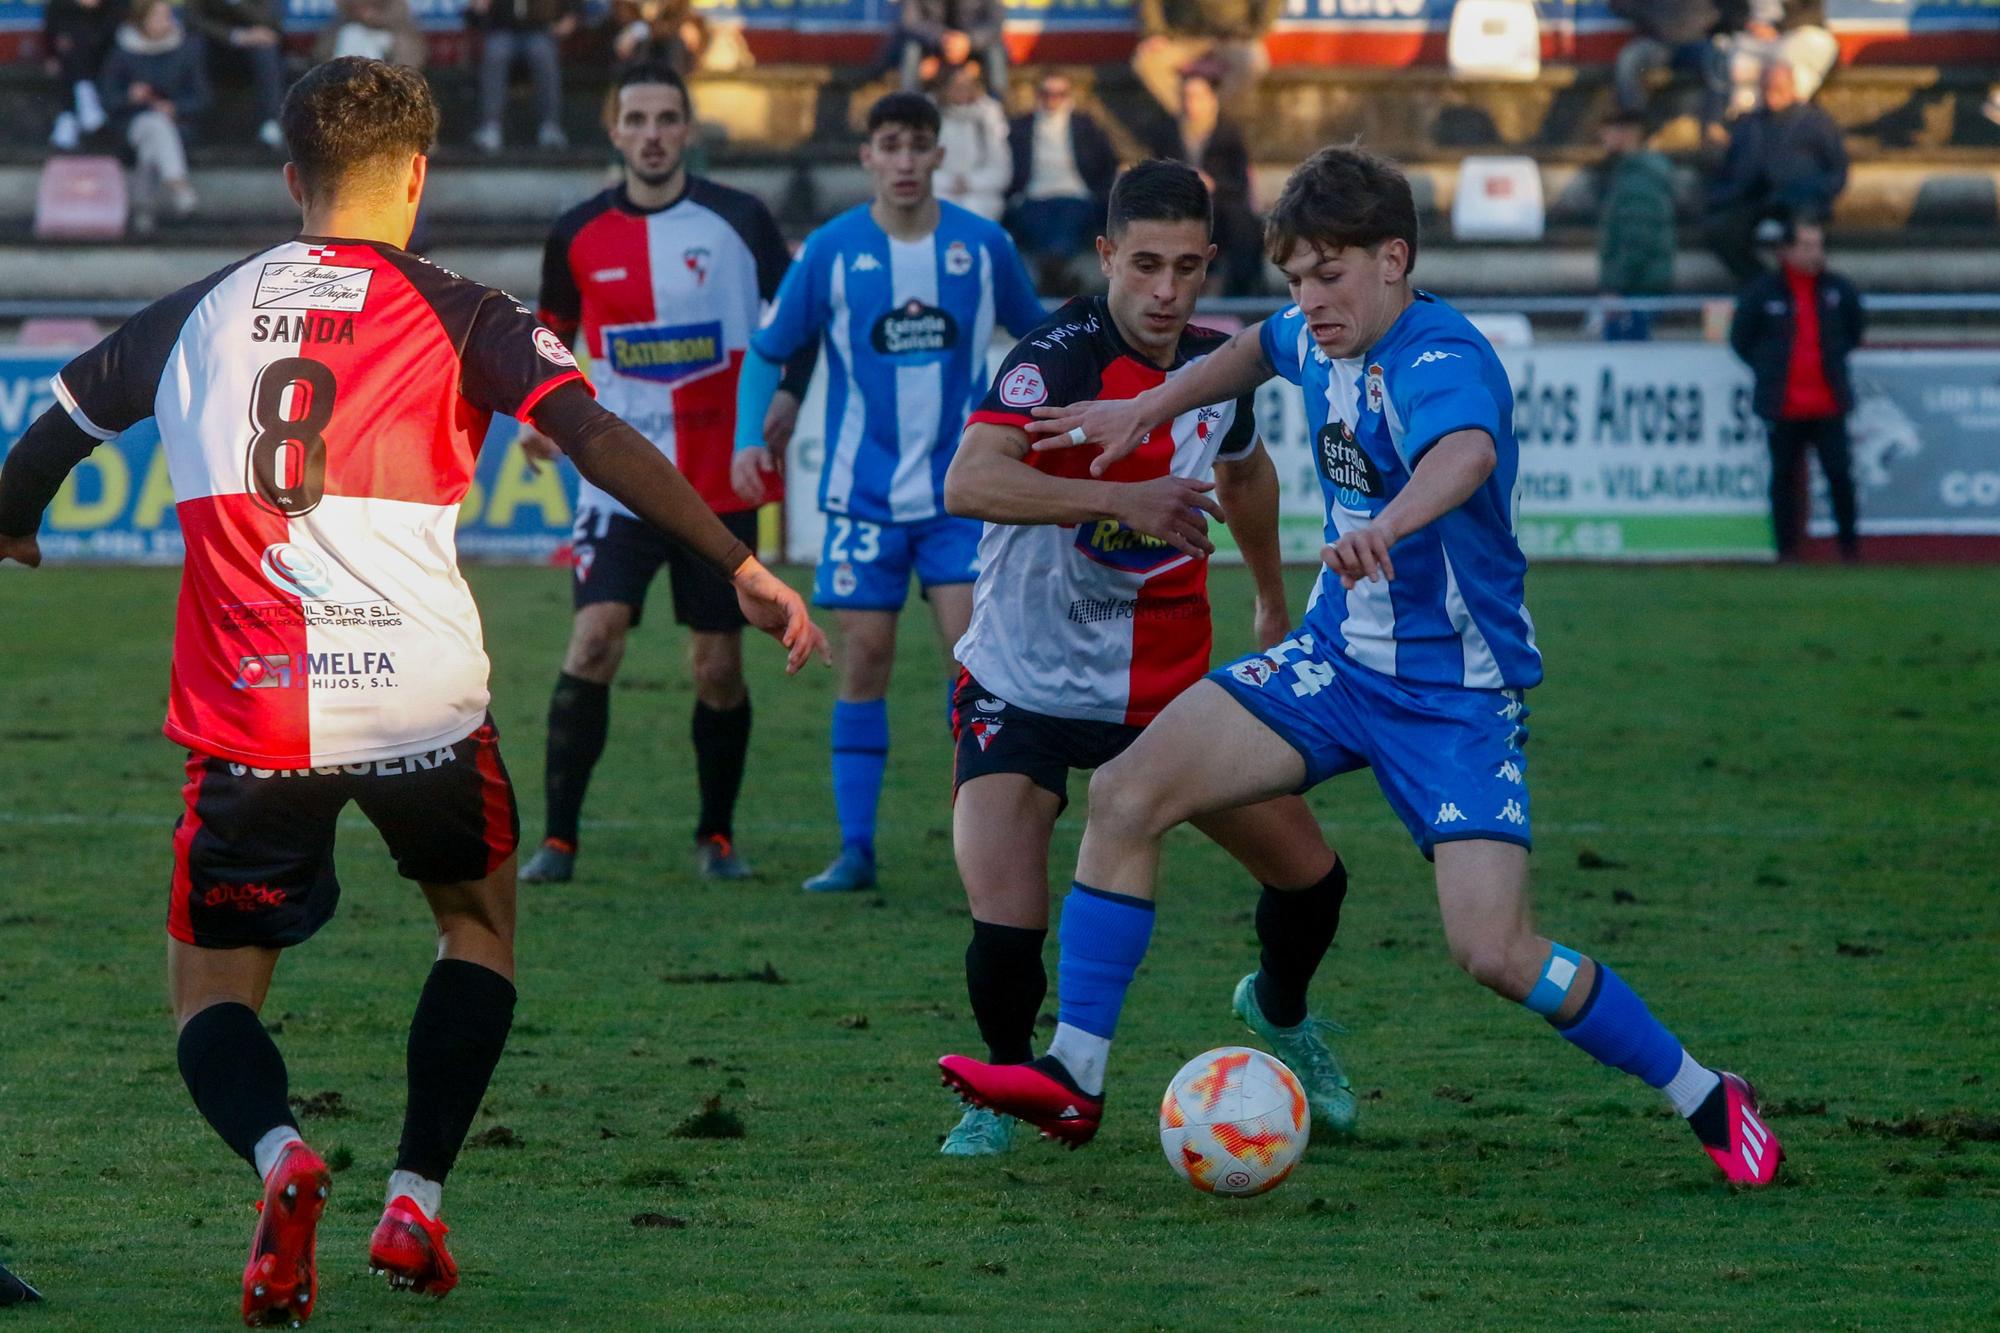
(663, 279)
(1090, 614)
(321, 405)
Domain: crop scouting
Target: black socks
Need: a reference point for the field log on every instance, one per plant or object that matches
(1295, 928)
(456, 1038)
(1007, 982)
(721, 744)
(236, 1075)
(579, 718)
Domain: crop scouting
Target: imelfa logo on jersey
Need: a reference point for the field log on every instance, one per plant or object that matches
(664, 352)
(914, 327)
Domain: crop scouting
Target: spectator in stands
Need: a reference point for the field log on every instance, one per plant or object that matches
(1064, 165)
(530, 31)
(1209, 141)
(666, 32)
(1795, 329)
(973, 134)
(1687, 36)
(248, 35)
(376, 29)
(1221, 39)
(154, 83)
(1793, 31)
(933, 36)
(1786, 157)
(76, 37)
(1635, 225)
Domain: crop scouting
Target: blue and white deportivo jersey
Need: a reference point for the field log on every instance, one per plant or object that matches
(906, 327)
(1455, 613)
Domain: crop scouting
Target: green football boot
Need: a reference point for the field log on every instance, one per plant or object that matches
(1306, 1054)
(980, 1133)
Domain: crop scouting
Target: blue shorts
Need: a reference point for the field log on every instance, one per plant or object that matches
(1449, 759)
(866, 566)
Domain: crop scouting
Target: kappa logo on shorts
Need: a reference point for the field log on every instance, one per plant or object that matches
(984, 729)
(1023, 386)
(1512, 813)
(1256, 672)
(1448, 814)
(1510, 771)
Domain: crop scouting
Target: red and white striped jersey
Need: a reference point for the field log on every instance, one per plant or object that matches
(321, 406)
(1096, 621)
(666, 300)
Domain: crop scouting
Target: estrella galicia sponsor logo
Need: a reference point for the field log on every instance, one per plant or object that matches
(291, 568)
(1110, 542)
(1346, 466)
(914, 328)
(664, 353)
(263, 671)
(243, 897)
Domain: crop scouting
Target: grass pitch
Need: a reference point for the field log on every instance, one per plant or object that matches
(1767, 796)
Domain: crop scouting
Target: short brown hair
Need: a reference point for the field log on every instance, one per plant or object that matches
(1340, 197)
(351, 114)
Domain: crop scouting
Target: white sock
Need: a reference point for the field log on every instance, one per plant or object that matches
(1690, 1087)
(272, 1146)
(426, 1194)
(1083, 1054)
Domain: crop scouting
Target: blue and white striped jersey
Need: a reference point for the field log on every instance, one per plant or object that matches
(906, 327)
(1455, 614)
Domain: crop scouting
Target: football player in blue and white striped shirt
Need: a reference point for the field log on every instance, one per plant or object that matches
(905, 293)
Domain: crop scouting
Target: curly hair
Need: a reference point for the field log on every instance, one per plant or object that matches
(1340, 197)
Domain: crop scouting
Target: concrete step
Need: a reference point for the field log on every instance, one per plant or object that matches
(30, 273)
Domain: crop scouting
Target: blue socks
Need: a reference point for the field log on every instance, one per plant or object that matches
(1104, 938)
(860, 753)
(1614, 1027)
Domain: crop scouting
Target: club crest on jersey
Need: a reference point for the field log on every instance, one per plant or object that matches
(1255, 672)
(1204, 421)
(984, 729)
(957, 259)
(1023, 386)
(1109, 542)
(552, 349)
(1378, 393)
(664, 353)
(1346, 467)
(312, 286)
(914, 328)
(296, 570)
(696, 260)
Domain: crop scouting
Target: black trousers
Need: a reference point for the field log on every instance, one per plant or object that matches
(1789, 440)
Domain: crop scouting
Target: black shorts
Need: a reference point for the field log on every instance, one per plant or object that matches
(996, 737)
(617, 557)
(253, 852)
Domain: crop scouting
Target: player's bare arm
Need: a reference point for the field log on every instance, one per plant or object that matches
(989, 479)
(45, 454)
(1248, 490)
(1118, 426)
(617, 458)
(1445, 478)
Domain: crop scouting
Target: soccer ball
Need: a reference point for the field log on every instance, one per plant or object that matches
(1234, 1121)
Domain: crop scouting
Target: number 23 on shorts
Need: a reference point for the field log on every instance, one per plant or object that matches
(865, 539)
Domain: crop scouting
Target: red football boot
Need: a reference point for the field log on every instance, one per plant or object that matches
(281, 1282)
(1735, 1136)
(409, 1248)
(1040, 1092)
